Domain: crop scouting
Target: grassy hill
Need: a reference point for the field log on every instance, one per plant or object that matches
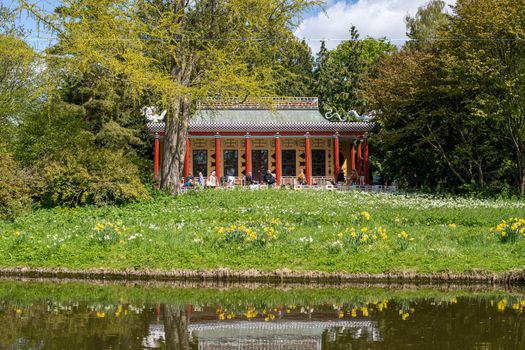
(270, 230)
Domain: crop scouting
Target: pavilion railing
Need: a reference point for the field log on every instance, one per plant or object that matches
(260, 103)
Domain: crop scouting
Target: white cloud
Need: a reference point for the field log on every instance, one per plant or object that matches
(375, 18)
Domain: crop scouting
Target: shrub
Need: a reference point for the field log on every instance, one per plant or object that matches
(14, 192)
(511, 230)
(88, 176)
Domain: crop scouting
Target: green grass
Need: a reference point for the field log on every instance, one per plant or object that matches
(26, 293)
(184, 233)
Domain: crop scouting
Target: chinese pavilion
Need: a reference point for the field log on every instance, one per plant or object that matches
(283, 135)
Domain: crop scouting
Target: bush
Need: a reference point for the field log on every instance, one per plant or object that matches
(14, 192)
(86, 176)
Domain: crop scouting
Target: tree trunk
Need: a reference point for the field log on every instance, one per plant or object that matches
(175, 327)
(175, 137)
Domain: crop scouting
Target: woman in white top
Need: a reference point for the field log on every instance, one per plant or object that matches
(213, 180)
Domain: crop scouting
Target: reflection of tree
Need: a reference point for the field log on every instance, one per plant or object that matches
(175, 321)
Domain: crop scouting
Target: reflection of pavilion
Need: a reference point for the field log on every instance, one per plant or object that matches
(281, 334)
(300, 335)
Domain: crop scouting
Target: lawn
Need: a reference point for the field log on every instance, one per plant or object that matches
(269, 230)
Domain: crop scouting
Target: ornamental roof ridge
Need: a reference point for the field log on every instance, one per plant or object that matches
(262, 103)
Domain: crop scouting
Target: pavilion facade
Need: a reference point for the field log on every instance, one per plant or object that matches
(283, 135)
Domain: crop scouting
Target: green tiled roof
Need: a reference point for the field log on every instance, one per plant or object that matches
(259, 116)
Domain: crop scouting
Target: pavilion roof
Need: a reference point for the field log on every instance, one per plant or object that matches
(298, 114)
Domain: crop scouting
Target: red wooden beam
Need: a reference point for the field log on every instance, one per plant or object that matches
(277, 159)
(308, 152)
(156, 156)
(366, 163)
(248, 155)
(218, 156)
(187, 159)
(336, 157)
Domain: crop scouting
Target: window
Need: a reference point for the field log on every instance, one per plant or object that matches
(318, 162)
(288, 162)
(200, 162)
(231, 161)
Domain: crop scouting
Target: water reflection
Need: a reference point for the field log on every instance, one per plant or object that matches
(80, 316)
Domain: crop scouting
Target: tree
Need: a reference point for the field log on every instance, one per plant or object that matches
(338, 74)
(490, 63)
(445, 107)
(426, 24)
(295, 58)
(17, 75)
(178, 51)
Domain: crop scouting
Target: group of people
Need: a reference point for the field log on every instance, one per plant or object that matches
(268, 178)
(226, 181)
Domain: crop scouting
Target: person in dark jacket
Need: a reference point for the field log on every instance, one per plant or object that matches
(268, 178)
(341, 178)
(249, 179)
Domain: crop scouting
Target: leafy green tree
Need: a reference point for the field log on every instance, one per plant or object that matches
(14, 193)
(485, 52)
(427, 23)
(339, 73)
(441, 106)
(179, 51)
(296, 68)
(17, 83)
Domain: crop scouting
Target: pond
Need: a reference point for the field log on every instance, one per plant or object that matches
(100, 315)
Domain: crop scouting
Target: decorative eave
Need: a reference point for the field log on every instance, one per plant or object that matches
(327, 126)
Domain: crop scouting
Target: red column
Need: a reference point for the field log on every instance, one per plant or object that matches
(218, 156)
(336, 157)
(359, 160)
(278, 159)
(156, 156)
(351, 163)
(308, 152)
(248, 154)
(365, 160)
(187, 159)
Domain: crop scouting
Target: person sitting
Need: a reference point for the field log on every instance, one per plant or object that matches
(212, 182)
(341, 178)
(188, 183)
(301, 178)
(269, 178)
(248, 181)
(202, 183)
(355, 177)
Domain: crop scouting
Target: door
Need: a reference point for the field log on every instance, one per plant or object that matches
(318, 162)
(288, 162)
(259, 163)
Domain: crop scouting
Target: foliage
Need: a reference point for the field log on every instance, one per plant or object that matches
(449, 233)
(86, 176)
(426, 24)
(17, 83)
(14, 192)
(404, 239)
(446, 104)
(338, 73)
(510, 230)
(177, 51)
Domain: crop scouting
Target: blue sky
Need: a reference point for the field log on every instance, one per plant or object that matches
(375, 18)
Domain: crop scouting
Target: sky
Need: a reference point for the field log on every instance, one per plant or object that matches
(374, 18)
